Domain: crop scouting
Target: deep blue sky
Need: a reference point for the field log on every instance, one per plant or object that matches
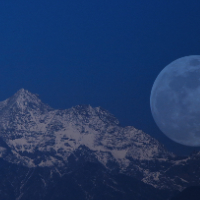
(102, 53)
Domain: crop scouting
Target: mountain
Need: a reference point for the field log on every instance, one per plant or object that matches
(31, 128)
(83, 153)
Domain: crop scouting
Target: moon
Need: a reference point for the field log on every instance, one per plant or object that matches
(175, 100)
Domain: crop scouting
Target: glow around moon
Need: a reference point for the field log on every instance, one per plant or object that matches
(175, 100)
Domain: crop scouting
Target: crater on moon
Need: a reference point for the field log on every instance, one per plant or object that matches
(175, 100)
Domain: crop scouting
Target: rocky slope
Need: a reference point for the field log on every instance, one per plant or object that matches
(31, 128)
(35, 137)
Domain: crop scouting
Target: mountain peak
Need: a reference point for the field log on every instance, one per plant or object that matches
(22, 91)
(24, 96)
(22, 100)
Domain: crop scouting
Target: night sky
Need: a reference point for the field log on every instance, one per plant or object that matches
(104, 53)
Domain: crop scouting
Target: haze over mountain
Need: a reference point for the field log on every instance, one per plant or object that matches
(84, 153)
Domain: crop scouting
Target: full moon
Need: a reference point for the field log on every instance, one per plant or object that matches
(175, 100)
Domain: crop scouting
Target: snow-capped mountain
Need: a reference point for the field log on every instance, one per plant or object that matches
(30, 127)
(37, 138)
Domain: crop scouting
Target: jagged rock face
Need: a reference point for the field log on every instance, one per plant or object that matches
(34, 136)
(41, 136)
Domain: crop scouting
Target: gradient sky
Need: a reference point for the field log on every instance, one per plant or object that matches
(103, 53)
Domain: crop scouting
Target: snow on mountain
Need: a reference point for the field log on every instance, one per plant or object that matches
(38, 135)
(33, 134)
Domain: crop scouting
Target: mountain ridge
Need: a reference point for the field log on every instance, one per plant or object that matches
(34, 135)
(34, 122)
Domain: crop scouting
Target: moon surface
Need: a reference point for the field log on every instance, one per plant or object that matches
(175, 100)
